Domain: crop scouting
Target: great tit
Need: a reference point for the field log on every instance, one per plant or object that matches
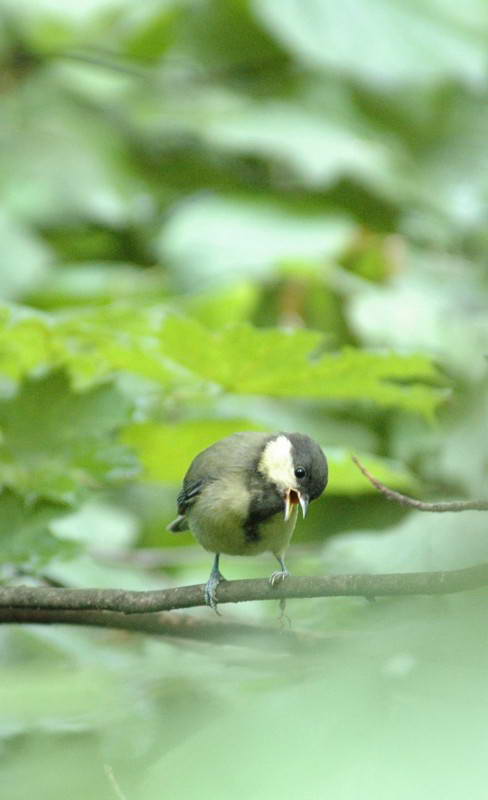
(241, 496)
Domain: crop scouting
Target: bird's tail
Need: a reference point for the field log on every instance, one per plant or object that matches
(179, 524)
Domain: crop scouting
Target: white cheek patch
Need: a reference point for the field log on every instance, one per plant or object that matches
(276, 463)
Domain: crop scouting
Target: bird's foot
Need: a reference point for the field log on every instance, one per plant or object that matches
(211, 588)
(278, 576)
(283, 619)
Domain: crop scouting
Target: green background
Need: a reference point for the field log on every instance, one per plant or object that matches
(223, 215)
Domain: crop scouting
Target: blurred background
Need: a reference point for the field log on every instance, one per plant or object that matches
(222, 215)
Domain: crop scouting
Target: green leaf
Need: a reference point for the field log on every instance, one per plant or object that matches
(24, 258)
(56, 443)
(96, 343)
(61, 162)
(25, 535)
(345, 477)
(218, 309)
(382, 315)
(26, 343)
(167, 450)
(152, 37)
(241, 359)
(247, 360)
(318, 148)
(97, 284)
(383, 43)
(215, 239)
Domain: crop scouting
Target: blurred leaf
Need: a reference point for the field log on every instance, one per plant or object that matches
(167, 450)
(96, 284)
(57, 444)
(56, 160)
(384, 43)
(24, 259)
(318, 150)
(412, 309)
(447, 187)
(25, 532)
(213, 240)
(345, 478)
(227, 307)
(152, 37)
(25, 343)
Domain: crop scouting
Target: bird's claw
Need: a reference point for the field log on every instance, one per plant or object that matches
(284, 620)
(278, 576)
(210, 590)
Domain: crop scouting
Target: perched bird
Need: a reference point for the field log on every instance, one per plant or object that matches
(241, 496)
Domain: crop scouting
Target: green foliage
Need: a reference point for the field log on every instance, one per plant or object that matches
(243, 214)
(155, 446)
(421, 43)
(250, 361)
(241, 359)
(220, 238)
(57, 444)
(26, 538)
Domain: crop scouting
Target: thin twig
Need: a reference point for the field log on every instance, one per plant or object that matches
(113, 782)
(404, 500)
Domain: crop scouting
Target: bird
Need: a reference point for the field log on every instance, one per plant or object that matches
(240, 496)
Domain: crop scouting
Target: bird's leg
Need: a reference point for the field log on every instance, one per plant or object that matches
(280, 574)
(284, 619)
(215, 578)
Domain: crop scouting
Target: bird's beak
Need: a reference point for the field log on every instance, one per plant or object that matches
(293, 498)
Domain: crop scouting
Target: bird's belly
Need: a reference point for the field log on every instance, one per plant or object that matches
(275, 533)
(224, 532)
(217, 517)
(222, 536)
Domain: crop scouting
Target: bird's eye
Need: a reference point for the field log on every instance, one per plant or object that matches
(300, 472)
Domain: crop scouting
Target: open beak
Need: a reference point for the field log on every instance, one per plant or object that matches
(293, 498)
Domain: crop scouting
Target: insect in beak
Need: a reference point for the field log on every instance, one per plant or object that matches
(293, 498)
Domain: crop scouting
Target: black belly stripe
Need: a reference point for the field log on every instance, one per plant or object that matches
(251, 530)
(266, 501)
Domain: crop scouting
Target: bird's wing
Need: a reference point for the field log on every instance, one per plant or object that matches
(211, 464)
(189, 494)
(185, 499)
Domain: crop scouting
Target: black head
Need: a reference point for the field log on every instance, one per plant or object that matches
(309, 465)
(296, 468)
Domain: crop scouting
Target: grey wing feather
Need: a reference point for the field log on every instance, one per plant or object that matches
(185, 499)
(188, 495)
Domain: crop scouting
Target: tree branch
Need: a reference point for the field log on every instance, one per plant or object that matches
(404, 500)
(177, 626)
(146, 611)
(118, 601)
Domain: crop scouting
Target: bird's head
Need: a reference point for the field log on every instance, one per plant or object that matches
(297, 467)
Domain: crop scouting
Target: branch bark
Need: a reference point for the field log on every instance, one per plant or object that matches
(127, 603)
